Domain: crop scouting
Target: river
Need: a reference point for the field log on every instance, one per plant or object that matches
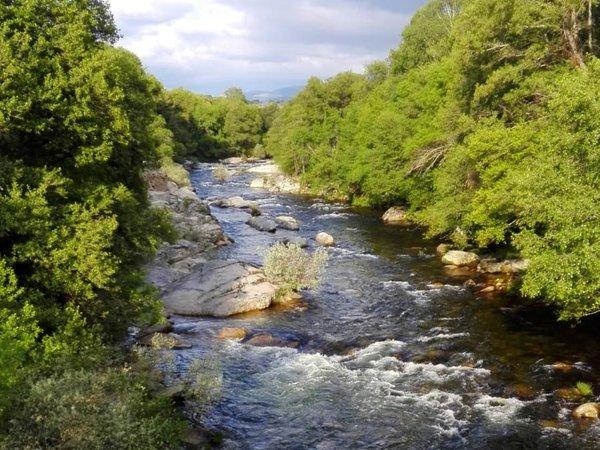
(394, 352)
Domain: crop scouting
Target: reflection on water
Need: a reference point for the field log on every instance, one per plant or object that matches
(393, 352)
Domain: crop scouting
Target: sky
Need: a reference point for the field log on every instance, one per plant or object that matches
(208, 46)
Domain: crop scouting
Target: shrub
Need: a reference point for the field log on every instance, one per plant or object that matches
(93, 410)
(221, 173)
(292, 269)
(176, 173)
(259, 151)
(584, 389)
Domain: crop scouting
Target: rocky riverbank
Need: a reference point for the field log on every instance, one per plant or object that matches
(191, 280)
(485, 274)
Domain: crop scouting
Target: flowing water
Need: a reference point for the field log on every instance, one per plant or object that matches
(394, 353)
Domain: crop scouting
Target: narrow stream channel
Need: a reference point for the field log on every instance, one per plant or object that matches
(394, 353)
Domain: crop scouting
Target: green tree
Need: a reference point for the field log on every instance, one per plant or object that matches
(243, 126)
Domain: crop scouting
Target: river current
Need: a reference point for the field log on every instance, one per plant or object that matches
(394, 352)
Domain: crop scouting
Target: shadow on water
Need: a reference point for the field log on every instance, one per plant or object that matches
(392, 351)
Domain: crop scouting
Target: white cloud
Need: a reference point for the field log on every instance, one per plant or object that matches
(209, 45)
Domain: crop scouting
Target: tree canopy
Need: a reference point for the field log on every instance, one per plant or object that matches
(485, 126)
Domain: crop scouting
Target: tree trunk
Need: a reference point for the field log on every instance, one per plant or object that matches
(590, 27)
(571, 32)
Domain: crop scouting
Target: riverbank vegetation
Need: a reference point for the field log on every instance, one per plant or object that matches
(484, 123)
(206, 128)
(80, 121)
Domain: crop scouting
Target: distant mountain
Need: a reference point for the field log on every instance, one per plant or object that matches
(277, 95)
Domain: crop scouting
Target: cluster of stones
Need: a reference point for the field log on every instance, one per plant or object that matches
(190, 280)
(498, 275)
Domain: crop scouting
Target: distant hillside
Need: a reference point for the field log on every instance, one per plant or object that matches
(277, 95)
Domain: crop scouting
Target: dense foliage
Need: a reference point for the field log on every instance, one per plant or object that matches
(79, 123)
(205, 127)
(485, 123)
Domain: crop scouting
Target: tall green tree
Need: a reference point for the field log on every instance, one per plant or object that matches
(74, 218)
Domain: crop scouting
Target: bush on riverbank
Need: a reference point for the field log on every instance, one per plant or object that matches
(292, 269)
(92, 409)
(484, 121)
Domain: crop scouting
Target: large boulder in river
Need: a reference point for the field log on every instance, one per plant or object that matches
(587, 411)
(287, 223)
(460, 258)
(262, 224)
(221, 289)
(396, 215)
(325, 239)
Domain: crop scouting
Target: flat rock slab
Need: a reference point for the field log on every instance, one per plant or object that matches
(220, 289)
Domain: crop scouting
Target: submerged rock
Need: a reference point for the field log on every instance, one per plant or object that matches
(507, 267)
(262, 224)
(232, 333)
(195, 439)
(569, 394)
(166, 327)
(289, 298)
(561, 366)
(268, 340)
(171, 341)
(221, 289)
(521, 391)
(396, 215)
(235, 202)
(587, 411)
(287, 223)
(487, 290)
(299, 241)
(460, 258)
(325, 239)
